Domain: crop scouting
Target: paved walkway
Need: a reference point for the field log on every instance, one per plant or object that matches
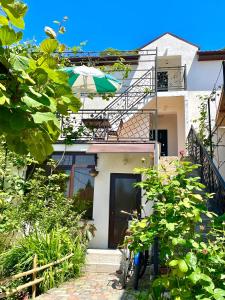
(92, 286)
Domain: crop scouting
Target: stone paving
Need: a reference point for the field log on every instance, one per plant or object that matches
(92, 286)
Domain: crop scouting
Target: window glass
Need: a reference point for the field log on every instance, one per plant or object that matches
(81, 188)
(85, 160)
(64, 160)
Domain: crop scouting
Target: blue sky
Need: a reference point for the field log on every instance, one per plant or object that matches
(127, 24)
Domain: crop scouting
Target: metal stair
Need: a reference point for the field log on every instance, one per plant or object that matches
(208, 171)
(133, 98)
(107, 122)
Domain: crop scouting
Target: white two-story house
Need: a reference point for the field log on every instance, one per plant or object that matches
(149, 118)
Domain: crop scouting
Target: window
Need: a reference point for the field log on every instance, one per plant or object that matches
(162, 81)
(80, 185)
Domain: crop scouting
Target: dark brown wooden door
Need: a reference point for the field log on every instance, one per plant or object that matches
(123, 196)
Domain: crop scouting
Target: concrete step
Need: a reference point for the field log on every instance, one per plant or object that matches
(103, 260)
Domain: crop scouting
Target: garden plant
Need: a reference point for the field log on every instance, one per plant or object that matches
(191, 238)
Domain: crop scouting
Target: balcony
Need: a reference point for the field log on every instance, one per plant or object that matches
(113, 126)
(171, 78)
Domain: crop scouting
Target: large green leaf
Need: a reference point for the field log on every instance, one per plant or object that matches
(49, 45)
(31, 102)
(18, 120)
(15, 12)
(40, 76)
(195, 277)
(39, 144)
(219, 294)
(173, 263)
(3, 20)
(59, 77)
(4, 99)
(191, 260)
(170, 226)
(44, 117)
(19, 62)
(7, 36)
(182, 266)
(16, 144)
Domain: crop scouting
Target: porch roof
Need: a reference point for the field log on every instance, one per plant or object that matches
(121, 148)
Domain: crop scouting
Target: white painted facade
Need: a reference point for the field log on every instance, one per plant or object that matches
(177, 110)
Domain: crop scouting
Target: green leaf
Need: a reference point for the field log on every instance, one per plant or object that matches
(205, 277)
(219, 294)
(19, 62)
(18, 120)
(41, 76)
(170, 226)
(2, 87)
(194, 244)
(31, 102)
(17, 22)
(39, 145)
(15, 12)
(191, 260)
(173, 263)
(40, 118)
(197, 197)
(4, 99)
(59, 77)
(16, 144)
(3, 20)
(49, 46)
(25, 76)
(182, 266)
(186, 203)
(7, 36)
(62, 48)
(194, 277)
(143, 223)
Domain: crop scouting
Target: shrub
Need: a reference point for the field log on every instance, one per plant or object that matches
(48, 247)
(191, 239)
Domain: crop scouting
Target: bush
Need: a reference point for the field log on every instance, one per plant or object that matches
(191, 239)
(37, 218)
(48, 247)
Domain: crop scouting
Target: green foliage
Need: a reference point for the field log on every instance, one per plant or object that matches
(48, 247)
(195, 261)
(38, 201)
(37, 218)
(32, 87)
(202, 121)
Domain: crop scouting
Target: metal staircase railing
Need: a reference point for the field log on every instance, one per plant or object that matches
(121, 109)
(134, 97)
(210, 175)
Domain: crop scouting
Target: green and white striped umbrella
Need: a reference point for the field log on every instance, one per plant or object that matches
(84, 79)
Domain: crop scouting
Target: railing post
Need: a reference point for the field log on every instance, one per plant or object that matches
(185, 78)
(34, 276)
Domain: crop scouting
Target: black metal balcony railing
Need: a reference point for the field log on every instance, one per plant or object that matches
(210, 176)
(171, 78)
(84, 126)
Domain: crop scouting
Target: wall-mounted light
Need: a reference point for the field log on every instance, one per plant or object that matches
(93, 172)
(143, 160)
